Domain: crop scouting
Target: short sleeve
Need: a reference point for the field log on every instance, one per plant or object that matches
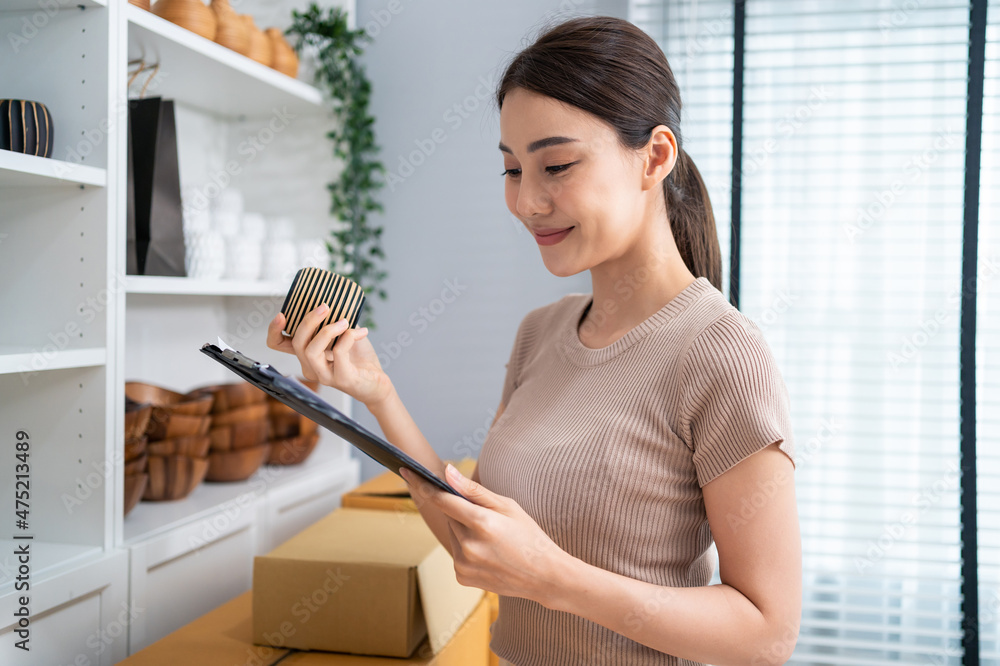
(735, 402)
(523, 339)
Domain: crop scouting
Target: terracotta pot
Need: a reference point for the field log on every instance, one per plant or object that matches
(260, 45)
(283, 56)
(231, 30)
(193, 15)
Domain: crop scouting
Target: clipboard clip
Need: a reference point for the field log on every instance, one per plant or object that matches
(234, 355)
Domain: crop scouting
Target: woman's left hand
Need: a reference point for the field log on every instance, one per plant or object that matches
(496, 545)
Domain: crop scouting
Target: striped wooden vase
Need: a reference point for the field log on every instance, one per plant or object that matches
(313, 286)
(27, 127)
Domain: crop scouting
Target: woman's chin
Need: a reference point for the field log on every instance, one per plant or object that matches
(561, 268)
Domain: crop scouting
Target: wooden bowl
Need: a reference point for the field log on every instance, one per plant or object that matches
(277, 407)
(283, 426)
(135, 485)
(236, 465)
(194, 446)
(136, 465)
(293, 450)
(256, 412)
(136, 418)
(164, 425)
(173, 477)
(165, 399)
(231, 396)
(135, 448)
(241, 435)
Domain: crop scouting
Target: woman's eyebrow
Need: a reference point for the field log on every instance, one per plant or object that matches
(541, 143)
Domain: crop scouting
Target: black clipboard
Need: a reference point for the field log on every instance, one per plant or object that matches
(303, 400)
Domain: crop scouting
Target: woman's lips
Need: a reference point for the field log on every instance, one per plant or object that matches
(550, 236)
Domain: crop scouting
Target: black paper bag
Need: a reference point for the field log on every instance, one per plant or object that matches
(132, 266)
(159, 224)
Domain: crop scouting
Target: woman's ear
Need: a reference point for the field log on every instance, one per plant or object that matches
(660, 156)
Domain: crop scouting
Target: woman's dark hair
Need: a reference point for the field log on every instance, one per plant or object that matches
(615, 71)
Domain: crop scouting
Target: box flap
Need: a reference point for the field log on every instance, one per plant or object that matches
(389, 484)
(376, 537)
(446, 603)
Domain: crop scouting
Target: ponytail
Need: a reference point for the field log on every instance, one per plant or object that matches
(692, 221)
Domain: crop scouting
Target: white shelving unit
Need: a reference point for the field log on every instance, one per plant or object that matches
(226, 83)
(148, 284)
(18, 170)
(84, 327)
(23, 359)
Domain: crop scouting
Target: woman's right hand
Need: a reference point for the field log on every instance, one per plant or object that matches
(352, 366)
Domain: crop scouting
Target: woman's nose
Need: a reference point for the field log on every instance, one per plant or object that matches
(532, 198)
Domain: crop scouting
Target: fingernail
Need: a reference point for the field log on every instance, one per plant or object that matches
(450, 469)
(323, 307)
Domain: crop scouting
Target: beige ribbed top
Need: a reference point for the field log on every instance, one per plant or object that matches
(607, 449)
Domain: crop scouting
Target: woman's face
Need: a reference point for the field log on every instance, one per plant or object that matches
(568, 180)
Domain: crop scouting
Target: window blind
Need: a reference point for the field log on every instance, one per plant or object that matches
(852, 209)
(988, 353)
(697, 39)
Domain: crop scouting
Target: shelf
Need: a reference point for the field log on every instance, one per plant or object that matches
(21, 358)
(18, 170)
(153, 284)
(46, 558)
(33, 5)
(200, 73)
(149, 519)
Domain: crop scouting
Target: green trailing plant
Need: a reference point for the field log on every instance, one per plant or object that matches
(336, 48)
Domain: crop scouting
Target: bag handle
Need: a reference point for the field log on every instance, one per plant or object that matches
(142, 67)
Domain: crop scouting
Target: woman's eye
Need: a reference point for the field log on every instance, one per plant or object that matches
(561, 167)
(514, 173)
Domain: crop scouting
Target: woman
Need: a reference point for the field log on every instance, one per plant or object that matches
(635, 424)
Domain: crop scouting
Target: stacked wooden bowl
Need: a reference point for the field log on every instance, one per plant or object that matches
(238, 437)
(177, 440)
(137, 417)
(291, 436)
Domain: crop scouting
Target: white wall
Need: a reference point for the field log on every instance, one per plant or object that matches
(447, 221)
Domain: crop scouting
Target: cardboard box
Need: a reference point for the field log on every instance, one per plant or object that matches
(362, 581)
(223, 637)
(389, 492)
